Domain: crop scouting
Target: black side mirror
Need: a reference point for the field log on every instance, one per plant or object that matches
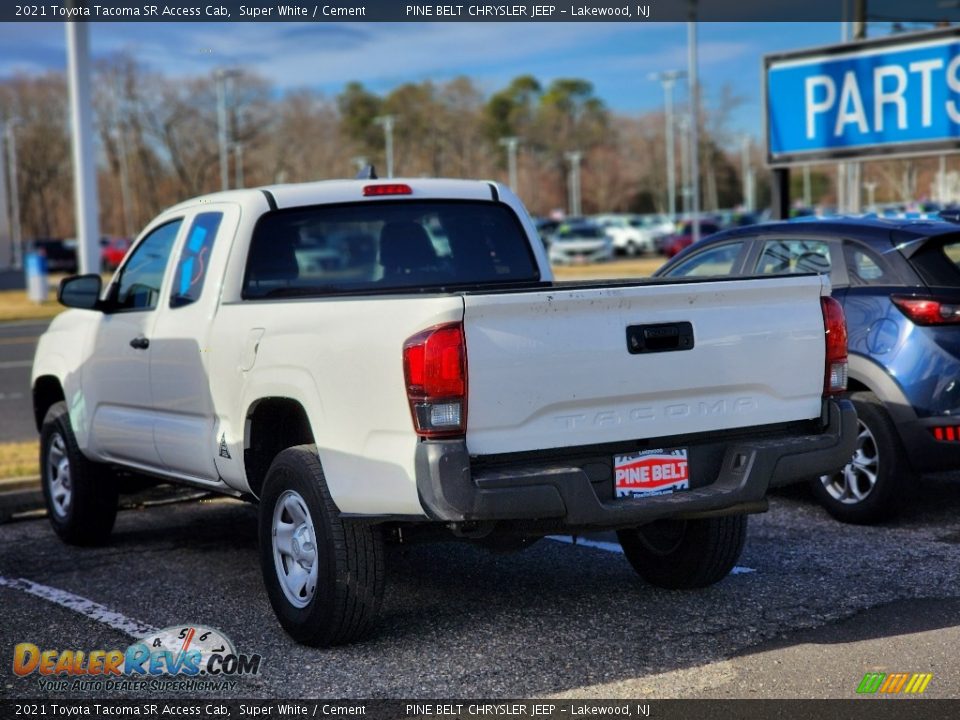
(81, 291)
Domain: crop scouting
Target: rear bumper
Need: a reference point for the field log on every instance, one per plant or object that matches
(925, 452)
(451, 492)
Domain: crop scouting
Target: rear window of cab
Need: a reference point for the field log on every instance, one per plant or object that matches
(387, 246)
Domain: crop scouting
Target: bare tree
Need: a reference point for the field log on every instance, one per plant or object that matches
(38, 104)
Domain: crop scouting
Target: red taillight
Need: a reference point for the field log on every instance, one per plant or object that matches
(388, 189)
(948, 433)
(835, 328)
(435, 371)
(927, 311)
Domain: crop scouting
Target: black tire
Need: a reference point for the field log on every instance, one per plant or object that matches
(847, 495)
(347, 566)
(685, 554)
(80, 495)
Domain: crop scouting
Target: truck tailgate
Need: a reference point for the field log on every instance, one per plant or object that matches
(551, 368)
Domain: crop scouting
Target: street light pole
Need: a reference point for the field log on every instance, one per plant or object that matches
(695, 118)
(222, 138)
(871, 189)
(511, 143)
(222, 130)
(6, 239)
(238, 165)
(668, 79)
(224, 135)
(684, 124)
(942, 184)
(574, 159)
(16, 238)
(84, 159)
(387, 121)
(747, 174)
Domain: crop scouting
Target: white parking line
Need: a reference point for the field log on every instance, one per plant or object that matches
(88, 608)
(11, 364)
(615, 547)
(609, 547)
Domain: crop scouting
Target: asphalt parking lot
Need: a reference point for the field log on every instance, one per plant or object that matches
(812, 607)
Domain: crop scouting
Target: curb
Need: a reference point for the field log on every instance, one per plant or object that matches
(19, 483)
(18, 495)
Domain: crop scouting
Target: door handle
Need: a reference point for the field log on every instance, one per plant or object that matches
(666, 337)
(139, 343)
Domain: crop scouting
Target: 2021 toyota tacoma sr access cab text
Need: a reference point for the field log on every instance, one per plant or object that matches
(373, 359)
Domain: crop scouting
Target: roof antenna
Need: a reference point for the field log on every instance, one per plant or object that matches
(369, 172)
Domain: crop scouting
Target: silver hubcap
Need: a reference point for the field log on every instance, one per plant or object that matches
(295, 548)
(854, 483)
(58, 476)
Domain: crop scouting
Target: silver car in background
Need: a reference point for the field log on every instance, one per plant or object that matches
(578, 243)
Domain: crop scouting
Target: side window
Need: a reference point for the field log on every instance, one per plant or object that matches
(718, 260)
(138, 287)
(194, 258)
(782, 257)
(864, 267)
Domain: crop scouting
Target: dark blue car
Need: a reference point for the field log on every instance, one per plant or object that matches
(899, 282)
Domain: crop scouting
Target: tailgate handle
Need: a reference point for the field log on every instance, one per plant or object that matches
(666, 337)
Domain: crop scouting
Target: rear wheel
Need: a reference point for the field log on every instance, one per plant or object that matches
(324, 575)
(871, 486)
(685, 554)
(80, 495)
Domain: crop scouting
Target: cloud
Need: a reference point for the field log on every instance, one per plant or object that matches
(616, 57)
(31, 48)
(297, 55)
(385, 52)
(19, 67)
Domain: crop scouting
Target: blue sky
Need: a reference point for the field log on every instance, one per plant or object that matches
(616, 57)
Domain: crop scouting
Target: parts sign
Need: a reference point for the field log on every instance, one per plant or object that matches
(896, 95)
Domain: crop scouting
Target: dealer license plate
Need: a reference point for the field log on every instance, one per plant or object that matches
(650, 472)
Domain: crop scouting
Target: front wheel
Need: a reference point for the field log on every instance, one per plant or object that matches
(869, 488)
(80, 495)
(685, 554)
(324, 575)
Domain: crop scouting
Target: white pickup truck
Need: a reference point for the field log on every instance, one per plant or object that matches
(374, 360)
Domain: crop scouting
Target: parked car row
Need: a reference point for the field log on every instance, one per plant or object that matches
(672, 244)
(635, 234)
(899, 283)
(630, 235)
(61, 255)
(683, 237)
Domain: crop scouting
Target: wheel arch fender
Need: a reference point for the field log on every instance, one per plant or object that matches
(278, 415)
(53, 381)
(866, 374)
